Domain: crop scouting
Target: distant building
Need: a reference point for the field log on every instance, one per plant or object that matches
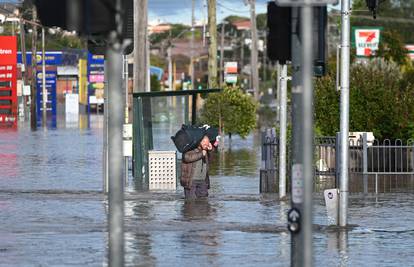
(160, 28)
(242, 25)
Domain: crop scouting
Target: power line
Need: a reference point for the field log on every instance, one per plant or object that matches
(232, 10)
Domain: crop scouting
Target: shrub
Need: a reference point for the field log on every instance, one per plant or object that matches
(232, 111)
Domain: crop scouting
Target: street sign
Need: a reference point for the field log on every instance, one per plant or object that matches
(366, 41)
(306, 2)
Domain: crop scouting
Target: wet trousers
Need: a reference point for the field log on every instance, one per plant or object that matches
(198, 189)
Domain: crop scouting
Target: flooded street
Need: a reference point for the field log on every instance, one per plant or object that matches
(53, 213)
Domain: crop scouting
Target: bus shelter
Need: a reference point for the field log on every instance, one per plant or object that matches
(150, 107)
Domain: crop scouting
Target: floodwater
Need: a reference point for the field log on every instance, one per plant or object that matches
(53, 213)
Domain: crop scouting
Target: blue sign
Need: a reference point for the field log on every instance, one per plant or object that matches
(51, 58)
(51, 93)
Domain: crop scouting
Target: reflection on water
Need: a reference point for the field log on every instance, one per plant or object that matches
(200, 210)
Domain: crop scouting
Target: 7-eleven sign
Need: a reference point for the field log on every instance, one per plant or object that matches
(366, 41)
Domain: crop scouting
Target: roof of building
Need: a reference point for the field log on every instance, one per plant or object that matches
(242, 25)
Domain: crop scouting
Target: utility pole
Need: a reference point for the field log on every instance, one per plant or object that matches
(222, 55)
(344, 124)
(140, 29)
(212, 48)
(33, 114)
(264, 57)
(253, 59)
(147, 60)
(44, 90)
(242, 52)
(24, 69)
(192, 45)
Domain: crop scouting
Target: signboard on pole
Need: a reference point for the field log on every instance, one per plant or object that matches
(366, 41)
(230, 72)
(51, 93)
(51, 58)
(96, 78)
(8, 81)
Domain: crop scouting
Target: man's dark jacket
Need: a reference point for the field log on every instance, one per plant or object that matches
(187, 168)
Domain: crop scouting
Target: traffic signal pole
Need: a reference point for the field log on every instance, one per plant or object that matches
(114, 55)
(294, 215)
(300, 215)
(307, 133)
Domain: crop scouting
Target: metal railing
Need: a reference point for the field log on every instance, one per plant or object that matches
(374, 166)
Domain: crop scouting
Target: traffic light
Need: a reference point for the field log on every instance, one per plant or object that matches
(91, 18)
(83, 16)
(373, 6)
(279, 23)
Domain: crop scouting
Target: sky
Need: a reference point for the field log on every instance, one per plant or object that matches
(179, 11)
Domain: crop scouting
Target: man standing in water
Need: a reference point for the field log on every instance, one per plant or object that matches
(194, 170)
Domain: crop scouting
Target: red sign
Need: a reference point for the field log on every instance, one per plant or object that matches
(8, 81)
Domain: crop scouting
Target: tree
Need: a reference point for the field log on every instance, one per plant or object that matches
(232, 111)
(380, 101)
(155, 83)
(391, 48)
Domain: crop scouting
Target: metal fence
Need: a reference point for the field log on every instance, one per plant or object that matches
(374, 166)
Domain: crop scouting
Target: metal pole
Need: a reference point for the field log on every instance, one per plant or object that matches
(115, 147)
(33, 89)
(126, 90)
(365, 161)
(24, 68)
(307, 133)
(222, 55)
(253, 58)
(170, 74)
(297, 246)
(147, 61)
(44, 90)
(192, 45)
(115, 162)
(241, 52)
(126, 170)
(278, 74)
(105, 132)
(264, 68)
(283, 121)
(344, 125)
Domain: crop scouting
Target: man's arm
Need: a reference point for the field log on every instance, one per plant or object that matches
(193, 155)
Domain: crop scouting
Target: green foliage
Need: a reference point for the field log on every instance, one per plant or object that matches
(157, 61)
(232, 111)
(380, 101)
(392, 48)
(176, 30)
(155, 84)
(261, 22)
(234, 18)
